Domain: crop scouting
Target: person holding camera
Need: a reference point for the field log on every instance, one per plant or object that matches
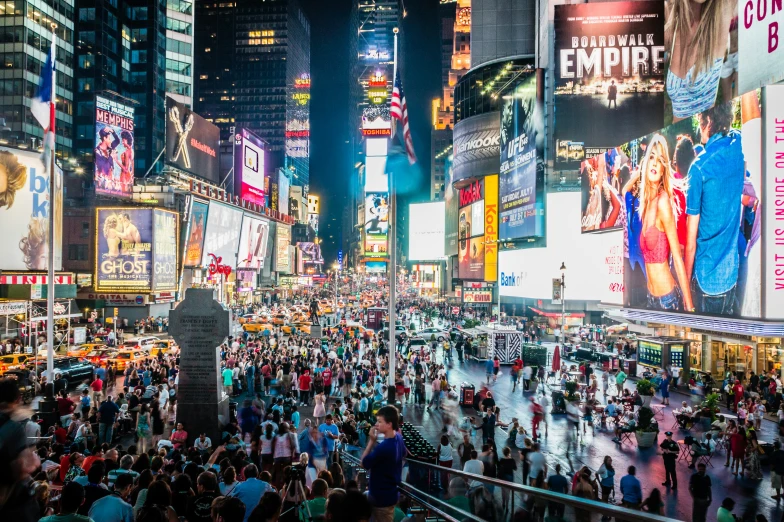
(383, 457)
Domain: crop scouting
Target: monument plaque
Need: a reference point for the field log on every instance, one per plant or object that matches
(200, 324)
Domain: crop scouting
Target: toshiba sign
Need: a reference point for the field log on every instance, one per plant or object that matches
(477, 146)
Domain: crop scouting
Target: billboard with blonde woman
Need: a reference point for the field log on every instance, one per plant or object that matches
(693, 216)
(24, 211)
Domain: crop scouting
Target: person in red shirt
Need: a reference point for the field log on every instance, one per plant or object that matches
(97, 387)
(65, 407)
(95, 457)
(328, 380)
(304, 387)
(60, 433)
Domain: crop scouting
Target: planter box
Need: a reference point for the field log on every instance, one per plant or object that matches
(646, 439)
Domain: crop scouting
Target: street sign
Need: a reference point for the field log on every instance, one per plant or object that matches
(116, 312)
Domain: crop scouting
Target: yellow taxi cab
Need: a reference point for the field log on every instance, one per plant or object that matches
(164, 346)
(84, 349)
(126, 357)
(13, 362)
(257, 327)
(300, 326)
(279, 319)
(299, 317)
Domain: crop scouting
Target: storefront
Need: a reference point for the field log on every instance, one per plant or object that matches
(770, 355)
(548, 322)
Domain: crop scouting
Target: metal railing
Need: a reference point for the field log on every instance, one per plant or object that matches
(438, 506)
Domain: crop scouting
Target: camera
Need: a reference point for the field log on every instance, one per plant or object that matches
(297, 474)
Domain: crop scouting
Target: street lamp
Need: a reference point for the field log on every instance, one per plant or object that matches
(336, 268)
(563, 301)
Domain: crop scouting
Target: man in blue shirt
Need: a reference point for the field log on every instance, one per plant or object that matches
(250, 491)
(631, 489)
(385, 463)
(107, 412)
(114, 508)
(331, 433)
(713, 206)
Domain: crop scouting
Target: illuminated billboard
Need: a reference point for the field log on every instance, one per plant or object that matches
(164, 250)
(282, 242)
(471, 230)
(24, 211)
(253, 243)
(377, 213)
(376, 177)
(124, 249)
(193, 247)
(426, 224)
(609, 73)
(490, 221)
(451, 205)
(375, 246)
(114, 152)
(249, 181)
(191, 142)
(224, 224)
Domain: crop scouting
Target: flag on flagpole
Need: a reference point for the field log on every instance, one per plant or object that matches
(43, 104)
(399, 110)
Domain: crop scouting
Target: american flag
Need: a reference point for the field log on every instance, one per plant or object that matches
(399, 110)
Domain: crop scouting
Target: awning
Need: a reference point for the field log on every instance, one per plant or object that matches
(556, 314)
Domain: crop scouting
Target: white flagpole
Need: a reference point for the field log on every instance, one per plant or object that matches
(391, 395)
(50, 288)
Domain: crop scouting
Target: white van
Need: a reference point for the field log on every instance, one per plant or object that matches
(145, 343)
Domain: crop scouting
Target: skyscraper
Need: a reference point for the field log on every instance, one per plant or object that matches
(253, 66)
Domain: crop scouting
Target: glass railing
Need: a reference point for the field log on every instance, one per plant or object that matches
(474, 496)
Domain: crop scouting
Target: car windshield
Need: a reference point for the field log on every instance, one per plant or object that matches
(130, 343)
(123, 356)
(7, 359)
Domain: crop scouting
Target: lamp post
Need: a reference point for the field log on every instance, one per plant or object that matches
(337, 274)
(563, 302)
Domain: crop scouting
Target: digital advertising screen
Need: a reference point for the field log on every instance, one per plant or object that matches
(476, 146)
(602, 179)
(521, 179)
(284, 186)
(377, 213)
(311, 253)
(165, 237)
(193, 247)
(24, 212)
(609, 73)
(376, 177)
(253, 243)
(471, 259)
(594, 262)
(124, 249)
(191, 142)
(426, 224)
(376, 246)
(707, 167)
(451, 208)
(224, 224)
(114, 152)
(313, 222)
(249, 183)
(282, 242)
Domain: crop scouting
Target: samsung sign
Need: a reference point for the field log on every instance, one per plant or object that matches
(477, 146)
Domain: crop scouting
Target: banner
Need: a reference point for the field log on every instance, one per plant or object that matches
(224, 224)
(114, 150)
(124, 249)
(476, 146)
(191, 142)
(609, 75)
(249, 180)
(377, 213)
(253, 243)
(707, 167)
(282, 242)
(521, 180)
(24, 211)
(471, 259)
(165, 240)
(773, 202)
(426, 222)
(490, 220)
(758, 48)
(556, 291)
(602, 178)
(193, 247)
(451, 206)
(478, 296)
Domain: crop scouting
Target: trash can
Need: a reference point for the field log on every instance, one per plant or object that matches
(467, 394)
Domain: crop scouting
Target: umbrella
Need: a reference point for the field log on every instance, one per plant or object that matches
(557, 359)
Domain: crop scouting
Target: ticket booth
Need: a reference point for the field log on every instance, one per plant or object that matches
(659, 353)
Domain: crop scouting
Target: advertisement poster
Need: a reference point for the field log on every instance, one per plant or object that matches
(253, 243)
(773, 203)
(451, 206)
(224, 224)
(377, 213)
(759, 44)
(124, 257)
(313, 222)
(490, 221)
(375, 246)
(702, 56)
(602, 179)
(283, 194)
(426, 224)
(594, 262)
(249, 167)
(282, 242)
(478, 296)
(311, 253)
(195, 241)
(609, 74)
(521, 180)
(471, 259)
(165, 237)
(191, 142)
(476, 146)
(114, 153)
(708, 166)
(24, 212)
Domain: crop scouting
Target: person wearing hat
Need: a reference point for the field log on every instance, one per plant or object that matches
(670, 450)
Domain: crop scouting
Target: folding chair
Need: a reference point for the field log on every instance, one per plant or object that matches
(626, 436)
(705, 458)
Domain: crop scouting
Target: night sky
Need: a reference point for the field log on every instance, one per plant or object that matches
(330, 154)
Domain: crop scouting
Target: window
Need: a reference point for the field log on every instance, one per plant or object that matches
(178, 26)
(77, 252)
(178, 67)
(139, 35)
(85, 108)
(85, 84)
(139, 56)
(181, 6)
(110, 20)
(137, 13)
(85, 229)
(176, 46)
(87, 14)
(183, 89)
(87, 37)
(86, 61)
(84, 132)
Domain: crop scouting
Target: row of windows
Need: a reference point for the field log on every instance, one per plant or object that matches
(183, 89)
(177, 46)
(13, 114)
(178, 26)
(77, 252)
(181, 6)
(42, 19)
(33, 65)
(178, 67)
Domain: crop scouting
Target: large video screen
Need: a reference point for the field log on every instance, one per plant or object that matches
(693, 220)
(224, 224)
(282, 242)
(165, 238)
(451, 204)
(24, 212)
(249, 181)
(377, 213)
(193, 247)
(602, 178)
(191, 142)
(609, 75)
(521, 180)
(253, 243)
(114, 152)
(124, 249)
(426, 223)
